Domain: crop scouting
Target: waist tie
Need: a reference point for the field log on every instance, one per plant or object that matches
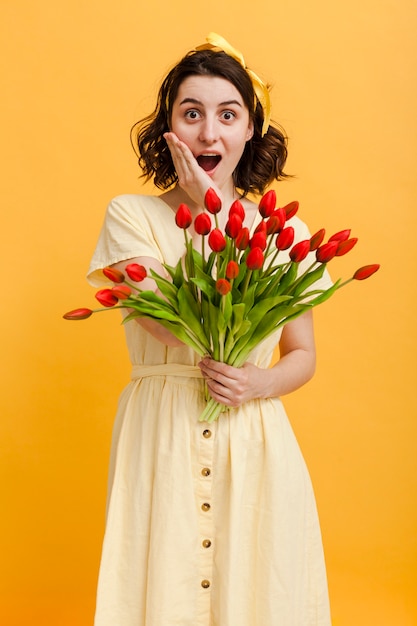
(166, 369)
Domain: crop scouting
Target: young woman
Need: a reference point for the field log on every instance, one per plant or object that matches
(207, 525)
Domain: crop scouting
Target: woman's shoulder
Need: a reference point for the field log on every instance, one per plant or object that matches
(134, 201)
(135, 207)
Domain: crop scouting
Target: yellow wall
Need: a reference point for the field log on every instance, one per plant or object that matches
(76, 76)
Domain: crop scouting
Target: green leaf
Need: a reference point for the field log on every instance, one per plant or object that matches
(289, 276)
(205, 286)
(189, 313)
(227, 308)
(238, 312)
(309, 279)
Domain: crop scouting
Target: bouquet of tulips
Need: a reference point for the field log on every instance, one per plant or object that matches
(224, 302)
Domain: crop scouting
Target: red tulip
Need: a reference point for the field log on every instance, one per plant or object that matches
(317, 239)
(342, 235)
(122, 292)
(299, 252)
(202, 224)
(281, 215)
(212, 201)
(291, 209)
(285, 238)
(242, 239)
(237, 208)
(255, 259)
(273, 225)
(268, 203)
(136, 272)
(106, 297)
(78, 314)
(233, 225)
(345, 246)
(114, 275)
(232, 270)
(223, 286)
(216, 240)
(261, 227)
(183, 216)
(258, 241)
(327, 251)
(366, 271)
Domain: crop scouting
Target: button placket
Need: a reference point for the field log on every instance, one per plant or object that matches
(204, 495)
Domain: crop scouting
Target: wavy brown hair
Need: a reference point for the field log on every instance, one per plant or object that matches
(263, 158)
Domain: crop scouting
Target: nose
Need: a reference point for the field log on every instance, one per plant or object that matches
(209, 132)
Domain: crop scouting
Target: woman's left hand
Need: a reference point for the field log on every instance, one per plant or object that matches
(230, 385)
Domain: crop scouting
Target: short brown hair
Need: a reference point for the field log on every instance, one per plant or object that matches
(263, 158)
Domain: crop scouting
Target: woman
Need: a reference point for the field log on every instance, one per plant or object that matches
(207, 525)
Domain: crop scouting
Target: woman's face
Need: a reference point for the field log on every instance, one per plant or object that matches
(209, 115)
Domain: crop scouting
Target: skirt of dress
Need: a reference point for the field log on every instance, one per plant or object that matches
(207, 524)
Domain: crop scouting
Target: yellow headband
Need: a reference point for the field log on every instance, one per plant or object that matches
(259, 87)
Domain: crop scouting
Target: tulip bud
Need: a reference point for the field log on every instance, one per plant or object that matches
(242, 239)
(114, 275)
(268, 203)
(216, 240)
(122, 292)
(261, 227)
(299, 252)
(237, 208)
(78, 314)
(183, 216)
(285, 238)
(273, 225)
(317, 239)
(342, 235)
(232, 270)
(345, 246)
(136, 272)
(281, 215)
(258, 241)
(366, 271)
(106, 297)
(212, 201)
(255, 259)
(233, 225)
(291, 209)
(202, 224)
(223, 286)
(327, 251)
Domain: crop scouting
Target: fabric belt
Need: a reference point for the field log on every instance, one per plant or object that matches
(166, 369)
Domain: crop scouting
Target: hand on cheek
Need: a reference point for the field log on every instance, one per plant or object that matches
(191, 177)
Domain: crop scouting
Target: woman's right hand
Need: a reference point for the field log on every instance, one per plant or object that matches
(191, 177)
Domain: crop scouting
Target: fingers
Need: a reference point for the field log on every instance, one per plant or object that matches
(191, 177)
(185, 164)
(225, 383)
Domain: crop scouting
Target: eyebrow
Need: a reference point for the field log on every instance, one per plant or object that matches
(195, 101)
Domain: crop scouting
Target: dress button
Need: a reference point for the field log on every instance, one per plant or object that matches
(206, 471)
(205, 584)
(206, 543)
(207, 433)
(205, 506)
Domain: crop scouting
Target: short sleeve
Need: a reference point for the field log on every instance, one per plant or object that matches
(127, 232)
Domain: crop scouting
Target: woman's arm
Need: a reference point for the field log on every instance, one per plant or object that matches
(234, 386)
(154, 328)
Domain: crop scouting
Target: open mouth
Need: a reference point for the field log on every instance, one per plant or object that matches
(208, 161)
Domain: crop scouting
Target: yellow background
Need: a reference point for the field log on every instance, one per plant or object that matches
(76, 76)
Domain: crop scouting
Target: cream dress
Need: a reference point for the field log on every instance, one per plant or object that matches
(207, 524)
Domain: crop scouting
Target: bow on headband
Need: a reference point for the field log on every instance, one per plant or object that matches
(215, 41)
